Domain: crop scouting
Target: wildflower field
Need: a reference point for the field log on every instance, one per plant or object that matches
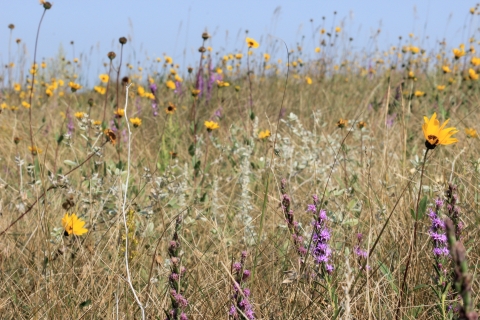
(338, 186)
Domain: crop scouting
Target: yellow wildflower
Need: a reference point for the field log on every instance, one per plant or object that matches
(252, 43)
(419, 93)
(264, 134)
(17, 87)
(34, 150)
(79, 115)
(100, 89)
(222, 84)
(211, 125)
(104, 77)
(137, 122)
(342, 123)
(170, 109)
(472, 74)
(119, 113)
(73, 225)
(26, 104)
(170, 85)
(74, 86)
(471, 133)
(435, 134)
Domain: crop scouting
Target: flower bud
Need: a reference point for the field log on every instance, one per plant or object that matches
(122, 40)
(202, 49)
(205, 36)
(111, 55)
(11, 26)
(47, 5)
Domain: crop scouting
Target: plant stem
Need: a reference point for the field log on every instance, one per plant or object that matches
(412, 244)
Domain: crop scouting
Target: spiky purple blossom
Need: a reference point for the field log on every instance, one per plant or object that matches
(177, 277)
(453, 211)
(361, 254)
(321, 250)
(292, 225)
(437, 234)
(241, 307)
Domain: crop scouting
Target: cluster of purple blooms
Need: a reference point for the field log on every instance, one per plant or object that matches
(177, 277)
(293, 225)
(453, 211)
(361, 254)
(437, 231)
(241, 307)
(321, 250)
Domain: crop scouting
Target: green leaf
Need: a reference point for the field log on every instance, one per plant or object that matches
(85, 303)
(191, 150)
(350, 222)
(412, 212)
(422, 208)
(386, 272)
(70, 163)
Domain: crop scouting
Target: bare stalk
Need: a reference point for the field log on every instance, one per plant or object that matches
(124, 211)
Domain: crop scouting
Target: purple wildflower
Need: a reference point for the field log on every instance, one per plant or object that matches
(153, 88)
(155, 109)
(177, 277)
(361, 254)
(178, 87)
(391, 119)
(437, 234)
(321, 251)
(453, 212)
(293, 225)
(70, 125)
(241, 307)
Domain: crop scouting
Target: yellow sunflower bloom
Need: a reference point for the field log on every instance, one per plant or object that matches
(73, 225)
(264, 134)
(104, 78)
(471, 133)
(137, 122)
(211, 125)
(252, 43)
(436, 134)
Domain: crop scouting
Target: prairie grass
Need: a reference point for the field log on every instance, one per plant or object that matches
(205, 202)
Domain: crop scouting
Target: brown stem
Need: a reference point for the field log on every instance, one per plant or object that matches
(412, 244)
(33, 79)
(106, 93)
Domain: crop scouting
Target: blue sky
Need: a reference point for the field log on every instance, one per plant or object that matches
(174, 27)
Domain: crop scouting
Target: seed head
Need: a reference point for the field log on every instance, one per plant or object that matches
(205, 36)
(122, 40)
(47, 5)
(202, 49)
(18, 40)
(111, 55)
(11, 26)
(190, 69)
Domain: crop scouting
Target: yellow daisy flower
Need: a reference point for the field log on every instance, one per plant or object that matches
(436, 134)
(73, 225)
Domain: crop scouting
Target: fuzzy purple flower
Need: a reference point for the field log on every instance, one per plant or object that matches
(241, 307)
(321, 251)
(437, 234)
(292, 225)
